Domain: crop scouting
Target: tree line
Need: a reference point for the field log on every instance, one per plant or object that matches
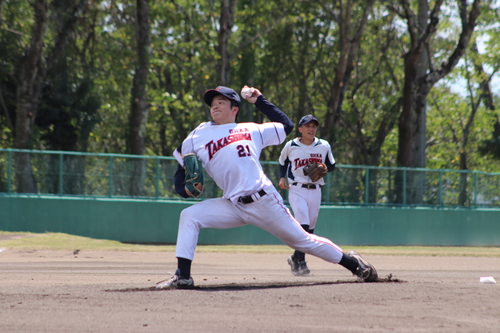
(397, 83)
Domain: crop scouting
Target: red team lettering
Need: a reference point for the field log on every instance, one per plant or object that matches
(297, 163)
(237, 135)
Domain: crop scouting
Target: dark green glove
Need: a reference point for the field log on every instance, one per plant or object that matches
(193, 181)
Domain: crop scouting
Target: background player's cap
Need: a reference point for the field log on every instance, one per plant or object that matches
(307, 119)
(224, 91)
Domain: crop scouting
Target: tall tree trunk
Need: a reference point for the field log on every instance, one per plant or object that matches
(416, 88)
(370, 151)
(32, 74)
(226, 22)
(139, 106)
(421, 111)
(484, 95)
(247, 62)
(342, 75)
(247, 73)
(349, 46)
(350, 35)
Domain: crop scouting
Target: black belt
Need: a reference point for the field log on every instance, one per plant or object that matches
(308, 186)
(248, 199)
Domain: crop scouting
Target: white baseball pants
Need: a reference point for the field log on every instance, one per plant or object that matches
(268, 213)
(305, 204)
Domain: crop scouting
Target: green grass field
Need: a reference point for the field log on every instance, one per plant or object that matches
(65, 242)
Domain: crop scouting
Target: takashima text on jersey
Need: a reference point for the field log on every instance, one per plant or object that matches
(305, 161)
(214, 146)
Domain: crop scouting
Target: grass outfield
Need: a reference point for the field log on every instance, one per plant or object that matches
(60, 241)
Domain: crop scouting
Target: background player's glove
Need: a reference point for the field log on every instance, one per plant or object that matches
(194, 176)
(315, 171)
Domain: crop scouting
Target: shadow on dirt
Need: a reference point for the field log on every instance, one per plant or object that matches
(267, 285)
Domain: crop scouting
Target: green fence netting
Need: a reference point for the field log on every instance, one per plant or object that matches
(30, 172)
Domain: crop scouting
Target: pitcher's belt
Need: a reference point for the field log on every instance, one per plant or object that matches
(248, 199)
(308, 186)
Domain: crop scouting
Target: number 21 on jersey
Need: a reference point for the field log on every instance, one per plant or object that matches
(243, 151)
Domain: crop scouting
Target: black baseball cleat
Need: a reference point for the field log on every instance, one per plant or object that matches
(294, 265)
(176, 282)
(365, 272)
(303, 269)
(298, 267)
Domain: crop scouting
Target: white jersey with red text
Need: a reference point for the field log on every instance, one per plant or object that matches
(300, 155)
(230, 154)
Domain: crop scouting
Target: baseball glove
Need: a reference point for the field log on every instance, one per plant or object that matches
(193, 182)
(315, 171)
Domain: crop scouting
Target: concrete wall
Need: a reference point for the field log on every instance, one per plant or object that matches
(143, 221)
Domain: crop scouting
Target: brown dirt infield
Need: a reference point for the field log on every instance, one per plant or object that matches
(91, 291)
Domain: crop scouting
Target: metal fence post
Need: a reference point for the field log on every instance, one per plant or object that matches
(61, 172)
(9, 171)
(157, 186)
(367, 185)
(475, 189)
(440, 191)
(110, 181)
(404, 186)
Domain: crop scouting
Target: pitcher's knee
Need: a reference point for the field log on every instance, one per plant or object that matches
(188, 217)
(190, 212)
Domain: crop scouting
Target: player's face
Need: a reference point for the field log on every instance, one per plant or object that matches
(221, 110)
(308, 131)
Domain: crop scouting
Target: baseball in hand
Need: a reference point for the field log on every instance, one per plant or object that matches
(245, 92)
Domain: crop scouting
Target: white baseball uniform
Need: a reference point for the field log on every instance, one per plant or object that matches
(304, 195)
(230, 155)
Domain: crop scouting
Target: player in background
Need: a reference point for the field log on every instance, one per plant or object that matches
(229, 153)
(304, 195)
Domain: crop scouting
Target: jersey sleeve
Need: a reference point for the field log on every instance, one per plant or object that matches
(283, 160)
(187, 146)
(178, 155)
(180, 174)
(284, 153)
(274, 113)
(330, 160)
(272, 134)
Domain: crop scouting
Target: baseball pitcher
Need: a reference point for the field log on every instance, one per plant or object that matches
(229, 152)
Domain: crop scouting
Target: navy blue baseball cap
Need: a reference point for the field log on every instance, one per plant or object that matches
(224, 91)
(307, 119)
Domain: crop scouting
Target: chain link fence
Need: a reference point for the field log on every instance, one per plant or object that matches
(26, 172)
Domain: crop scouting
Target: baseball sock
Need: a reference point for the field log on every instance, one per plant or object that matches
(349, 262)
(301, 256)
(184, 266)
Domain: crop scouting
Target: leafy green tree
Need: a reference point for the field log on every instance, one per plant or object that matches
(38, 59)
(492, 146)
(368, 70)
(420, 76)
(183, 64)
